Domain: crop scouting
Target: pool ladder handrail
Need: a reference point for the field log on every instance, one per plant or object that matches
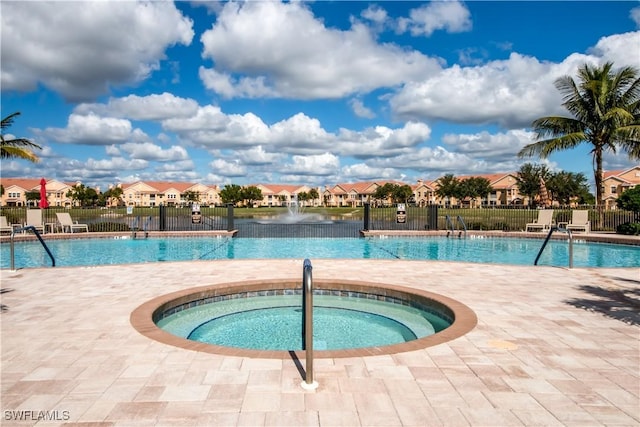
(546, 240)
(307, 324)
(135, 228)
(452, 230)
(35, 231)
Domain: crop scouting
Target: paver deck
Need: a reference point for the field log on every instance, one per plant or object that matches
(553, 346)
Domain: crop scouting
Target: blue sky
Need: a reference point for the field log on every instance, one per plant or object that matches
(309, 93)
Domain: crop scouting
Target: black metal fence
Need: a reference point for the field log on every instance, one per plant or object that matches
(326, 229)
(160, 218)
(504, 219)
(413, 218)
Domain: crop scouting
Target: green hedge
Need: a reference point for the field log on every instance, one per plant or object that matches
(629, 229)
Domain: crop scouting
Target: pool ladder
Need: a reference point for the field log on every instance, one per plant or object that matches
(452, 229)
(135, 227)
(307, 324)
(44, 245)
(564, 230)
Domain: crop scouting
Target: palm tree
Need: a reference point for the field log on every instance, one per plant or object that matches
(605, 106)
(20, 148)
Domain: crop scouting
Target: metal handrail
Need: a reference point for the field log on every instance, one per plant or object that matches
(464, 226)
(307, 323)
(546, 240)
(135, 227)
(450, 224)
(145, 227)
(35, 231)
(453, 229)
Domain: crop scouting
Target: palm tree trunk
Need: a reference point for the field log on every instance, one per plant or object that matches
(597, 157)
(598, 177)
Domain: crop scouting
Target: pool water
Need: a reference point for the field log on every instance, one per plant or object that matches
(478, 249)
(275, 323)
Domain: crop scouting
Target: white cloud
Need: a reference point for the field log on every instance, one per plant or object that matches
(360, 110)
(364, 172)
(150, 107)
(511, 93)
(115, 163)
(381, 140)
(258, 156)
(635, 15)
(211, 128)
(451, 16)
(227, 168)
(322, 164)
(425, 159)
(149, 151)
(273, 49)
(183, 166)
(375, 13)
(621, 49)
(80, 49)
(94, 130)
(499, 146)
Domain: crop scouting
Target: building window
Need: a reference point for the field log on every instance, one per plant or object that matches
(614, 189)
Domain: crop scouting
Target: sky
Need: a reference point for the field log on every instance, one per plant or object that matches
(304, 93)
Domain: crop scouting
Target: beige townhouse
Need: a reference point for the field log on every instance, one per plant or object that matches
(16, 189)
(156, 193)
(616, 182)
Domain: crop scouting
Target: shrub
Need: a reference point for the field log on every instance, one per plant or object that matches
(477, 226)
(108, 226)
(629, 229)
(502, 226)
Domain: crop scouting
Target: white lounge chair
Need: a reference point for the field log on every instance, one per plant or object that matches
(34, 218)
(4, 225)
(544, 221)
(579, 221)
(67, 223)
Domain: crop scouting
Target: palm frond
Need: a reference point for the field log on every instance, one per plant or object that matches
(8, 121)
(7, 152)
(546, 147)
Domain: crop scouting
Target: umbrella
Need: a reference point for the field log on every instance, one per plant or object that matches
(545, 200)
(44, 203)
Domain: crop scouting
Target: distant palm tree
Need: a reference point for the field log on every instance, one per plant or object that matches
(20, 148)
(605, 106)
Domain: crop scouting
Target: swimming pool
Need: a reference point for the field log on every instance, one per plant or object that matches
(478, 249)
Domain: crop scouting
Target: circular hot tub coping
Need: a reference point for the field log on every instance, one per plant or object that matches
(142, 318)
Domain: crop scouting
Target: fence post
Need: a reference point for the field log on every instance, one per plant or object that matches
(230, 225)
(367, 208)
(432, 217)
(162, 220)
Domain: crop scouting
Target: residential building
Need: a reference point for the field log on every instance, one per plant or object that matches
(351, 194)
(282, 195)
(155, 193)
(424, 193)
(16, 189)
(616, 182)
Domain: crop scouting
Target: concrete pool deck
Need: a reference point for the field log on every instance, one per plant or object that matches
(553, 346)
